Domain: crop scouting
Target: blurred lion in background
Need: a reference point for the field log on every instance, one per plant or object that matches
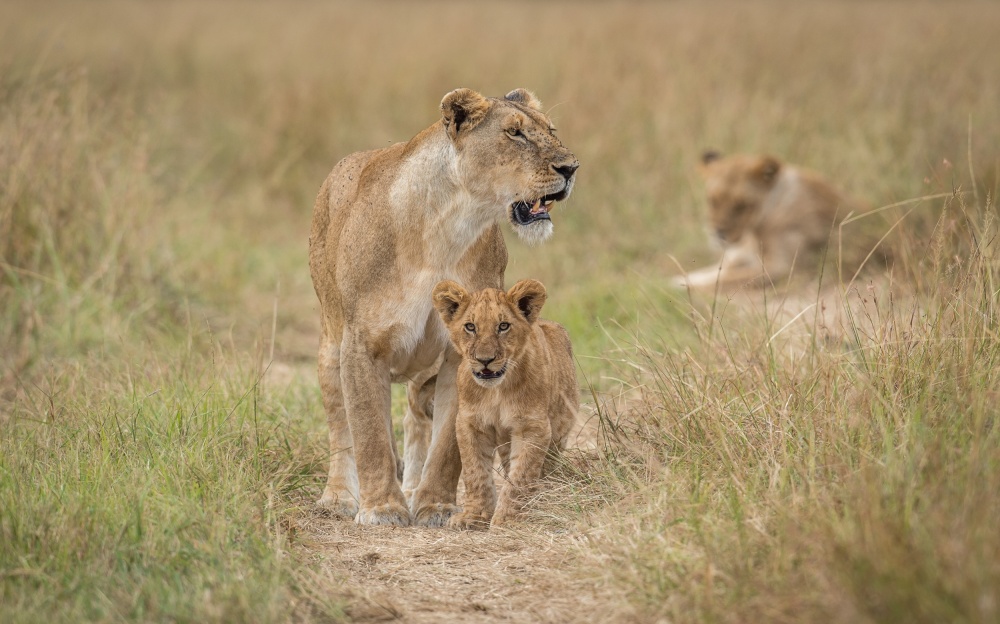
(772, 219)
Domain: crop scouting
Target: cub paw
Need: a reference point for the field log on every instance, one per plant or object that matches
(504, 517)
(467, 521)
(435, 514)
(391, 514)
(340, 506)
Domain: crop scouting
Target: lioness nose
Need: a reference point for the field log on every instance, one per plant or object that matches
(484, 361)
(567, 171)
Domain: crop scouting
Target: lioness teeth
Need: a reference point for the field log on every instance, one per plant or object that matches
(537, 207)
(547, 202)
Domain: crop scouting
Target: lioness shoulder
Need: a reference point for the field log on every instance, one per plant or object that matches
(517, 392)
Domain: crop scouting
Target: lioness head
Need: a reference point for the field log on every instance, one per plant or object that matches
(489, 328)
(737, 187)
(507, 149)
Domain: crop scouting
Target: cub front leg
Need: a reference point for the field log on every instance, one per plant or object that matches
(528, 447)
(433, 501)
(476, 447)
(367, 399)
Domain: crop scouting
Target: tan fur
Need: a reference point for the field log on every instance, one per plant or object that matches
(388, 225)
(770, 217)
(526, 412)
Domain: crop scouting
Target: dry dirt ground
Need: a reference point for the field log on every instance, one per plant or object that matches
(441, 575)
(525, 573)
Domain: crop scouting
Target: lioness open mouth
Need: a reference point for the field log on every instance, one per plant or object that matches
(486, 374)
(525, 212)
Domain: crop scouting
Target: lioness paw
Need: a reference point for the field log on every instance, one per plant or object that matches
(467, 521)
(391, 514)
(435, 514)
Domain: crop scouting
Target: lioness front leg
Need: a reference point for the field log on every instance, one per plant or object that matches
(434, 500)
(341, 493)
(476, 448)
(527, 456)
(367, 398)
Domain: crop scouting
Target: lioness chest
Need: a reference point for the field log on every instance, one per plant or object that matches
(415, 332)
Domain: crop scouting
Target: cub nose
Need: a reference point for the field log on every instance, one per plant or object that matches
(567, 171)
(484, 361)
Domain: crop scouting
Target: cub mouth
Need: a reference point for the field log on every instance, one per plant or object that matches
(486, 374)
(526, 212)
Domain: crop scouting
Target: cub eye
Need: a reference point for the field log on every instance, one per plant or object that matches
(740, 207)
(502, 327)
(469, 327)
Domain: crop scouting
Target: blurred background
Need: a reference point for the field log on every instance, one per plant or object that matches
(158, 167)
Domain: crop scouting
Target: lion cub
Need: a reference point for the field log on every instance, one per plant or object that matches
(770, 217)
(517, 392)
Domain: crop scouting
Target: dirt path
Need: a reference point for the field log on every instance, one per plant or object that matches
(526, 573)
(441, 575)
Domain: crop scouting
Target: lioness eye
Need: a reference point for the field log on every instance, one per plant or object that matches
(469, 327)
(515, 133)
(503, 327)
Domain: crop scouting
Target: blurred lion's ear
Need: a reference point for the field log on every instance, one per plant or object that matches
(523, 96)
(710, 156)
(767, 169)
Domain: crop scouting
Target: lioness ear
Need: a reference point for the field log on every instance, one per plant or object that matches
(462, 110)
(528, 296)
(523, 96)
(767, 169)
(449, 300)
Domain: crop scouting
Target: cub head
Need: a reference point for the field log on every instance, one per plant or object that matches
(508, 153)
(490, 328)
(737, 187)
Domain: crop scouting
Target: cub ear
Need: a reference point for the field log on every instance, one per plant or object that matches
(523, 96)
(766, 170)
(528, 296)
(462, 110)
(450, 300)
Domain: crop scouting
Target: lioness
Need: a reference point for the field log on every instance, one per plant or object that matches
(388, 225)
(517, 392)
(769, 217)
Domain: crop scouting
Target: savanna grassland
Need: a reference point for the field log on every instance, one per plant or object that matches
(161, 430)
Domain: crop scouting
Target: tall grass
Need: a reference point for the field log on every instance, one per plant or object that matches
(158, 164)
(159, 494)
(854, 481)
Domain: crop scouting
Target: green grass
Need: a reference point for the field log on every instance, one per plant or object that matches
(155, 493)
(158, 165)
